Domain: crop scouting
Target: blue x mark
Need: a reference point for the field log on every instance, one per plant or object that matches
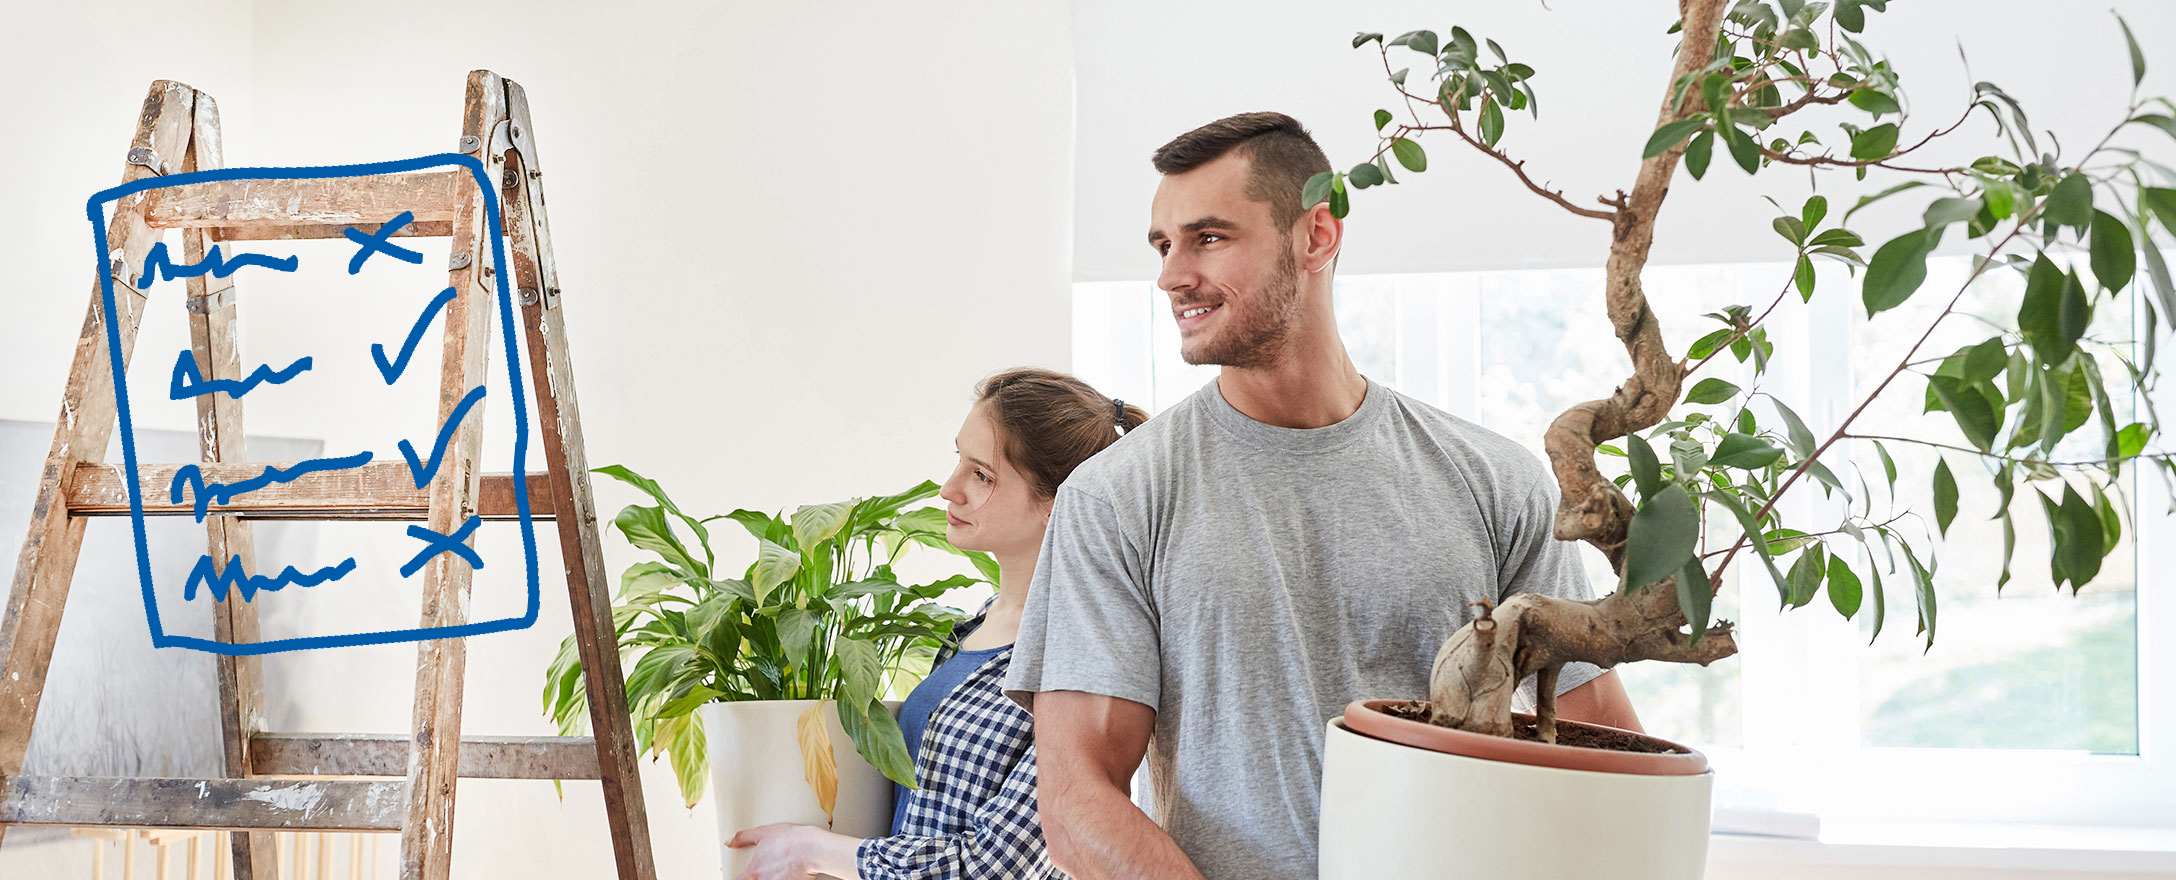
(376, 242)
(444, 544)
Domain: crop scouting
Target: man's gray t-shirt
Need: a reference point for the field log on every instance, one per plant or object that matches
(1248, 582)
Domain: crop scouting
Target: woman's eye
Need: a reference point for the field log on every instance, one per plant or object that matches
(981, 476)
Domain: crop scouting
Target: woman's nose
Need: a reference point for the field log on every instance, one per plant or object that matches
(950, 491)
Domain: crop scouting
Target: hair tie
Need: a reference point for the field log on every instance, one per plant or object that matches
(1118, 410)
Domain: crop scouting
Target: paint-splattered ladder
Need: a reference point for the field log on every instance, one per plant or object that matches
(180, 123)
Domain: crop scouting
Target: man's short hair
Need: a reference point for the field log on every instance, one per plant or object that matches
(1280, 153)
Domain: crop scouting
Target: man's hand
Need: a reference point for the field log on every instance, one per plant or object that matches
(1601, 700)
(1087, 746)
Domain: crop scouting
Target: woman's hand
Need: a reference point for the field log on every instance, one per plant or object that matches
(785, 851)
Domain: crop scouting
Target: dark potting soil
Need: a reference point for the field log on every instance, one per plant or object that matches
(1567, 733)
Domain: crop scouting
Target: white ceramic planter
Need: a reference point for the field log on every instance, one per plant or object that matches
(1391, 810)
(756, 775)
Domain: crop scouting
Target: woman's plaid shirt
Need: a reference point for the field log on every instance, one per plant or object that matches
(974, 816)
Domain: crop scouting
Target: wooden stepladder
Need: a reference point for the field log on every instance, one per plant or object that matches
(179, 123)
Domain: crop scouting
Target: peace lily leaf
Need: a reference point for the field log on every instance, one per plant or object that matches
(815, 523)
(1661, 538)
(877, 737)
(818, 765)
(774, 565)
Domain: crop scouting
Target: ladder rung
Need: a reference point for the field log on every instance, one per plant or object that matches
(372, 754)
(310, 201)
(240, 804)
(419, 229)
(380, 490)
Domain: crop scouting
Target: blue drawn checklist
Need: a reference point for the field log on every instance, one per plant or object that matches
(230, 582)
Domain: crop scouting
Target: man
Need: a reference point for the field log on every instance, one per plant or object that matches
(1290, 538)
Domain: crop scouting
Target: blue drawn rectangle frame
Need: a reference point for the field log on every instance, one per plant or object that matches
(95, 209)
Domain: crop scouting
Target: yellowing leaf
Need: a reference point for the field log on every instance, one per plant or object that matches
(817, 763)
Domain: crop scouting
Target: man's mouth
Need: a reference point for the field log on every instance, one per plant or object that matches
(1195, 313)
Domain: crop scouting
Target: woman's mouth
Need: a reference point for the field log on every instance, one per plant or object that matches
(951, 520)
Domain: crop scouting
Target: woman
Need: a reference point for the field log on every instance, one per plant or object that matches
(974, 816)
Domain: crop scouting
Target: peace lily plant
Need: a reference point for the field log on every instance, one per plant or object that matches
(819, 614)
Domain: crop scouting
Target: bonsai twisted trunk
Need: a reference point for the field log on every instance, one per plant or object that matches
(1479, 668)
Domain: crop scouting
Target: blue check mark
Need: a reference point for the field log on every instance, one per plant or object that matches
(445, 435)
(391, 371)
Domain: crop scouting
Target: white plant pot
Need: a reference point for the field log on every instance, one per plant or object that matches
(1391, 810)
(757, 776)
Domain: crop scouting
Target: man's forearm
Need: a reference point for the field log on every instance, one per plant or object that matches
(1099, 834)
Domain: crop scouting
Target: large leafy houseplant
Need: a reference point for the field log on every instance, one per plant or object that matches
(1708, 467)
(818, 615)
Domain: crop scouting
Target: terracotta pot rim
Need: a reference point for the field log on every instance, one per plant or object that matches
(1366, 717)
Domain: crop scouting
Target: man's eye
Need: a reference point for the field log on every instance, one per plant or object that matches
(1210, 238)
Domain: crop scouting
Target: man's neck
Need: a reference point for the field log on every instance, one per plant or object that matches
(1316, 386)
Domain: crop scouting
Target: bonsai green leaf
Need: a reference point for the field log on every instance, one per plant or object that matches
(1492, 122)
(1709, 344)
(1868, 200)
(1800, 439)
(1888, 465)
(1423, 42)
(1742, 451)
(1880, 604)
(1731, 502)
(1363, 38)
(2163, 285)
(1382, 117)
(1974, 416)
(2113, 258)
(1695, 593)
(1699, 152)
(2059, 534)
(2071, 204)
(2090, 369)
(2111, 525)
(1804, 582)
(1791, 228)
(1711, 390)
(2131, 440)
(1804, 278)
(1409, 154)
(814, 524)
(2082, 548)
(1742, 148)
(1843, 586)
(1898, 269)
(1946, 211)
(2009, 548)
(1646, 468)
(1922, 593)
(1874, 102)
(2138, 59)
(877, 737)
(1843, 238)
(1874, 143)
(1945, 494)
(1364, 175)
(2160, 203)
(1661, 538)
(645, 527)
(774, 565)
(2039, 313)
(1340, 201)
(1316, 189)
(1813, 211)
(1670, 135)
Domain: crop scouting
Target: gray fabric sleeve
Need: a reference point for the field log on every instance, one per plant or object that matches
(1536, 562)
(1090, 624)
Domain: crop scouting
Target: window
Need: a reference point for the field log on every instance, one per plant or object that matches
(2031, 706)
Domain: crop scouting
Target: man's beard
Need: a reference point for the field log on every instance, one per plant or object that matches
(1262, 339)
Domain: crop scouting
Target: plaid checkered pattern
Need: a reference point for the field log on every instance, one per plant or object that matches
(974, 816)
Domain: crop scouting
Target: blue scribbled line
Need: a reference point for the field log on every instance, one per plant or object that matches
(189, 381)
(392, 370)
(445, 436)
(193, 477)
(249, 584)
(158, 263)
(376, 242)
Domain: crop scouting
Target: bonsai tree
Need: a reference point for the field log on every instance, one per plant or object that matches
(2071, 224)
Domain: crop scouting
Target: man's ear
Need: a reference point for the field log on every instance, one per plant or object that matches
(1319, 235)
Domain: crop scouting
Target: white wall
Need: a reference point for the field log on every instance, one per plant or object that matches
(1150, 70)
(791, 237)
